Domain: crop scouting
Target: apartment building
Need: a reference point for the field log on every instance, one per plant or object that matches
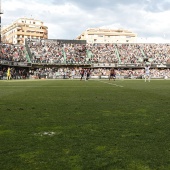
(100, 35)
(23, 28)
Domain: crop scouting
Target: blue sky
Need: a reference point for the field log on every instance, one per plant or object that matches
(66, 19)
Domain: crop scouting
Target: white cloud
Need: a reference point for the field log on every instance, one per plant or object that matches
(152, 40)
(68, 19)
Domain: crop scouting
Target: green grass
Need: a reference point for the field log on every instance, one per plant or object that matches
(78, 125)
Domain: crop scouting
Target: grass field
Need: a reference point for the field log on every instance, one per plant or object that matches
(84, 125)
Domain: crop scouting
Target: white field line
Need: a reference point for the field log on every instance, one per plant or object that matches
(110, 83)
(21, 80)
(55, 86)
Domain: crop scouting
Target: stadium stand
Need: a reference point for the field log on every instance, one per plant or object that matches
(57, 58)
(12, 52)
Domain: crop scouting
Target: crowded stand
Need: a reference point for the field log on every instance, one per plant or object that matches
(15, 73)
(11, 52)
(129, 53)
(75, 73)
(53, 52)
(52, 59)
(156, 53)
(44, 51)
(75, 53)
(103, 53)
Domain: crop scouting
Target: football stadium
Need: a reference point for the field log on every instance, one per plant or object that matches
(74, 105)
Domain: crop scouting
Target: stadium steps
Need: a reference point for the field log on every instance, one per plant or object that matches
(65, 56)
(117, 54)
(89, 55)
(28, 52)
(27, 56)
(144, 56)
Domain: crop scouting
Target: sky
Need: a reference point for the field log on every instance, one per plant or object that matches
(67, 19)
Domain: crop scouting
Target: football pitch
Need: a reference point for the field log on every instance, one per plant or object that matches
(84, 125)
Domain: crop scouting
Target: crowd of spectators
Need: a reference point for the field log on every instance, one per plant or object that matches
(57, 52)
(16, 73)
(103, 53)
(54, 52)
(67, 72)
(131, 73)
(130, 53)
(11, 52)
(46, 51)
(156, 53)
(75, 73)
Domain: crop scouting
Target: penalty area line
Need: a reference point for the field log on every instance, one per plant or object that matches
(50, 86)
(111, 84)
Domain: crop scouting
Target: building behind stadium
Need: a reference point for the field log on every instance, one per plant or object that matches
(24, 28)
(100, 35)
(29, 28)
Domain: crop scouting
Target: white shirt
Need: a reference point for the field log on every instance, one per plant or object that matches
(73, 72)
(147, 71)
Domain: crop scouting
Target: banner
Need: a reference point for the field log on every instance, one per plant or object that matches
(11, 63)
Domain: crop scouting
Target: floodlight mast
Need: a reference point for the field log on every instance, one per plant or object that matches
(0, 20)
